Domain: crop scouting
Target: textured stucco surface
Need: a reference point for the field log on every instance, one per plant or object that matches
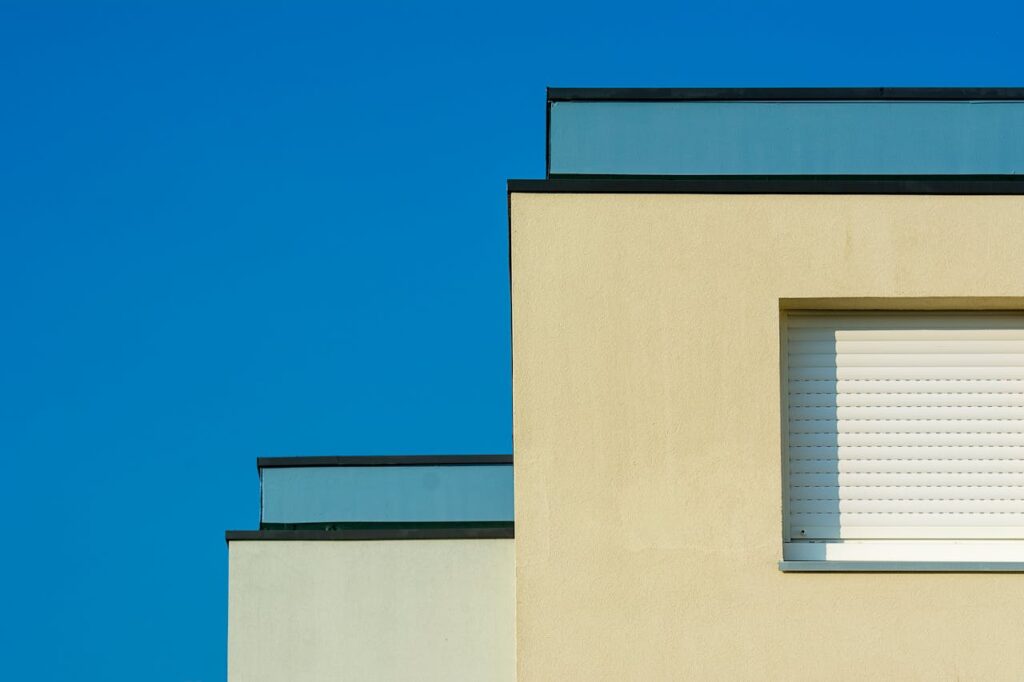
(647, 436)
(370, 611)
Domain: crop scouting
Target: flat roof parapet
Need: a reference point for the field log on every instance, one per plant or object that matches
(784, 131)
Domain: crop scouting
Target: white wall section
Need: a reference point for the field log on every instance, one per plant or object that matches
(369, 611)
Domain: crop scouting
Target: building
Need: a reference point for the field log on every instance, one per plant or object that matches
(768, 375)
(376, 568)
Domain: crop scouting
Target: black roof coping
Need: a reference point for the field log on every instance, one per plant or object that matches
(467, 532)
(380, 461)
(775, 184)
(779, 94)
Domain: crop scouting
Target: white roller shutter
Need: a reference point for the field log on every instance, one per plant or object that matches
(904, 426)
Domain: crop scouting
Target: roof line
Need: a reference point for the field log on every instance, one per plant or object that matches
(381, 460)
(775, 184)
(455, 533)
(771, 94)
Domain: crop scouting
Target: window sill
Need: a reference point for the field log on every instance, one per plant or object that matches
(901, 566)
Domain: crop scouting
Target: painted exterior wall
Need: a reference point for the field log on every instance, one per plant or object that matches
(647, 434)
(368, 611)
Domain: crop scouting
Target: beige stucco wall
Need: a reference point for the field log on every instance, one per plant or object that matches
(424, 610)
(647, 437)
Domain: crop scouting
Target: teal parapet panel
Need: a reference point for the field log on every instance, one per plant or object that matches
(387, 494)
(786, 137)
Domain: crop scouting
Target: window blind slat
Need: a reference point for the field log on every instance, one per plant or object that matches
(909, 476)
(965, 377)
(831, 333)
(1012, 530)
(908, 452)
(896, 493)
(926, 346)
(853, 389)
(858, 401)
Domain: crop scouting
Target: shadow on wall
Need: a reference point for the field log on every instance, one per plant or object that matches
(813, 434)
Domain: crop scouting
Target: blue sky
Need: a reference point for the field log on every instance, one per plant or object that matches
(230, 230)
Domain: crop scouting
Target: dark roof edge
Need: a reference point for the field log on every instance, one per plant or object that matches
(774, 94)
(775, 184)
(412, 533)
(381, 460)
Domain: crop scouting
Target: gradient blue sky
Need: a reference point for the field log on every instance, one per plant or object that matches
(240, 229)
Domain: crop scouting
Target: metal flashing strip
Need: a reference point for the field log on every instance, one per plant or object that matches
(781, 94)
(776, 184)
(901, 567)
(380, 460)
(467, 532)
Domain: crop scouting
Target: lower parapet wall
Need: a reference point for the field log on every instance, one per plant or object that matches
(437, 609)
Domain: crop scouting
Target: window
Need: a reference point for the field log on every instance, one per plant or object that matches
(904, 438)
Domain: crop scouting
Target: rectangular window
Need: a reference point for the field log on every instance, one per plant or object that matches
(904, 438)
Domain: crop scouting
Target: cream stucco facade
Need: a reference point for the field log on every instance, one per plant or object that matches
(647, 435)
(368, 611)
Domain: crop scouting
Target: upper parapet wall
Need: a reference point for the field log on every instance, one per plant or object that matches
(770, 131)
(403, 491)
